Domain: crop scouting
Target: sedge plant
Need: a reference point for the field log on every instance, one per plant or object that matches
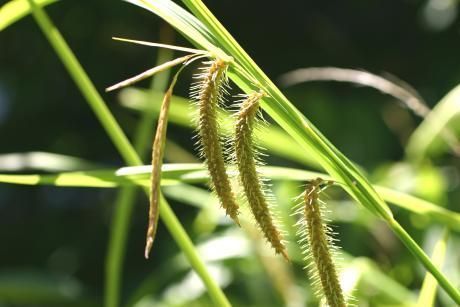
(208, 35)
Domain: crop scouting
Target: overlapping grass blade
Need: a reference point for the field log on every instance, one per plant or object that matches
(195, 173)
(44, 161)
(428, 138)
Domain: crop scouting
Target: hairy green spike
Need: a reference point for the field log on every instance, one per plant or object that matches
(208, 93)
(245, 154)
(320, 249)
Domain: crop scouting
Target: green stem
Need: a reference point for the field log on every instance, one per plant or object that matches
(117, 245)
(420, 254)
(123, 145)
(186, 245)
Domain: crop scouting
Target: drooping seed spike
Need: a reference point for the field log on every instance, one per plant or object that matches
(157, 161)
(319, 247)
(207, 93)
(246, 160)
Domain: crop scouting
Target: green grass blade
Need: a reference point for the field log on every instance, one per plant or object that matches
(121, 143)
(428, 292)
(44, 161)
(90, 179)
(120, 225)
(426, 139)
(195, 173)
(14, 10)
(179, 19)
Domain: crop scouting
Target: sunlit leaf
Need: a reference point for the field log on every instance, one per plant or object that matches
(195, 173)
(45, 161)
(14, 10)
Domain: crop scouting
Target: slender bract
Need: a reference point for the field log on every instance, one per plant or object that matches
(319, 245)
(207, 93)
(150, 72)
(246, 159)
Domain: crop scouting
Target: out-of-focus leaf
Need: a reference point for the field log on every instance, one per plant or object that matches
(44, 161)
(426, 139)
(369, 278)
(428, 292)
(423, 180)
(14, 10)
(181, 113)
(27, 287)
(94, 179)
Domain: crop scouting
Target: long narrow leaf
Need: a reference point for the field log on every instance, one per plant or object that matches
(427, 138)
(195, 173)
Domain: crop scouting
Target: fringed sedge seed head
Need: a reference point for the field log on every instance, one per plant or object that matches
(246, 159)
(315, 236)
(207, 93)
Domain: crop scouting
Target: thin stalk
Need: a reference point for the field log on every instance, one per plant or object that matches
(123, 146)
(115, 256)
(127, 195)
(187, 247)
(420, 254)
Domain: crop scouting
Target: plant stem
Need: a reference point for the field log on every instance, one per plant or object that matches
(420, 254)
(186, 245)
(123, 145)
(121, 219)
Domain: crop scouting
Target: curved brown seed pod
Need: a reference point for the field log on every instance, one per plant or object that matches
(246, 157)
(157, 161)
(208, 92)
(319, 247)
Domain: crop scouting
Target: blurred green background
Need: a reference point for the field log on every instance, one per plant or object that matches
(53, 241)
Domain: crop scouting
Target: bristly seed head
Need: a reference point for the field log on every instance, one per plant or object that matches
(208, 93)
(319, 245)
(246, 159)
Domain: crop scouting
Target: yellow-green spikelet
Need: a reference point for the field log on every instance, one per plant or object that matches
(208, 92)
(246, 159)
(320, 249)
